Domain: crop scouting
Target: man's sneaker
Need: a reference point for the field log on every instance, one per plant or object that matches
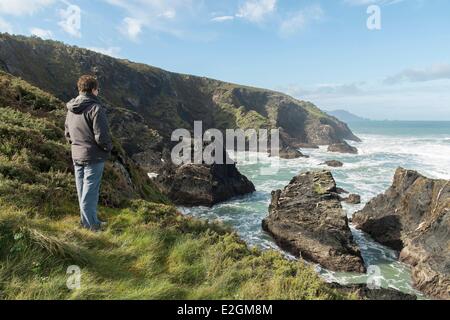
(100, 227)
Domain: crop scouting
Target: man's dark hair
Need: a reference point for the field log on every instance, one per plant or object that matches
(87, 84)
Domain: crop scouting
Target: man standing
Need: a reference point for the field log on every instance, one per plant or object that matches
(87, 131)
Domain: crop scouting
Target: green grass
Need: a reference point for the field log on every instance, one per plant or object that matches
(148, 251)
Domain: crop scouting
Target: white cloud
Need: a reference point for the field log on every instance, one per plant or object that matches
(5, 26)
(23, 7)
(222, 18)
(131, 28)
(71, 20)
(169, 14)
(109, 51)
(300, 20)
(41, 33)
(158, 15)
(256, 10)
(435, 72)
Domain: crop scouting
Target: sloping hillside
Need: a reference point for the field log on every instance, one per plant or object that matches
(149, 251)
(163, 101)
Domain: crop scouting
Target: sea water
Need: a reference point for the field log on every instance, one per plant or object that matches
(385, 146)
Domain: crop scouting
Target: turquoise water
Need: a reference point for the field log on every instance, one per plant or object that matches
(422, 146)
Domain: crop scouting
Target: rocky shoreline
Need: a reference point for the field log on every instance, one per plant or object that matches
(413, 217)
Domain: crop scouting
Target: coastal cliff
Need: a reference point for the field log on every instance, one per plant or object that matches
(164, 101)
(148, 250)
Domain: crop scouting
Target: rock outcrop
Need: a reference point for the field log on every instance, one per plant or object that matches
(306, 219)
(413, 216)
(342, 147)
(353, 199)
(333, 163)
(291, 153)
(203, 185)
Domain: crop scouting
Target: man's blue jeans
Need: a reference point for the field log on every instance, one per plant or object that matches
(88, 179)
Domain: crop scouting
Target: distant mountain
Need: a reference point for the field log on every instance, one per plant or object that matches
(346, 116)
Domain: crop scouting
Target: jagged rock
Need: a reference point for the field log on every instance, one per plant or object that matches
(342, 147)
(326, 131)
(291, 153)
(203, 185)
(413, 216)
(333, 163)
(353, 199)
(306, 219)
(363, 292)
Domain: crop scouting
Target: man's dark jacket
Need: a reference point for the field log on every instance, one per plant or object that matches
(87, 130)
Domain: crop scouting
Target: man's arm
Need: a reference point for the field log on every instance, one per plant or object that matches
(101, 130)
(66, 130)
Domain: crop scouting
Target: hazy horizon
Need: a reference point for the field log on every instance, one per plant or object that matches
(384, 119)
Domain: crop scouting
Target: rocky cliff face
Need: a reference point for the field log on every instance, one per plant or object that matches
(307, 219)
(413, 216)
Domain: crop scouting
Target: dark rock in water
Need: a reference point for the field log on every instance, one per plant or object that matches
(307, 219)
(342, 147)
(413, 216)
(291, 153)
(341, 191)
(353, 199)
(333, 163)
(203, 185)
(363, 292)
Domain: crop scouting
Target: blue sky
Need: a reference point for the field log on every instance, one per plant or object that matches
(317, 50)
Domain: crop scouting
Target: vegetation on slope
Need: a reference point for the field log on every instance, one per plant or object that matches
(149, 250)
